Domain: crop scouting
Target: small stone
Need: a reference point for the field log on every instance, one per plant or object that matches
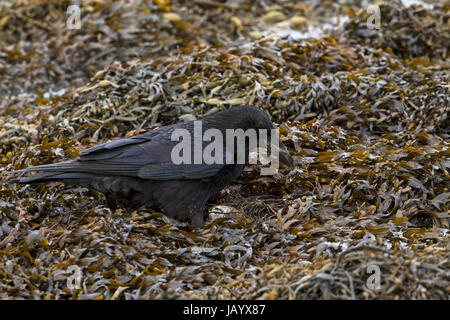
(255, 35)
(274, 16)
(298, 22)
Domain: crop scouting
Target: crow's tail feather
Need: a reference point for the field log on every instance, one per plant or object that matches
(52, 176)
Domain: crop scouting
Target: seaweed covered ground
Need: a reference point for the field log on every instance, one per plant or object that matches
(364, 112)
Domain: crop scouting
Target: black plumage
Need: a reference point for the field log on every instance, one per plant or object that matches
(139, 170)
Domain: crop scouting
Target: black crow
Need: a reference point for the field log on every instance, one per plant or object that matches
(141, 170)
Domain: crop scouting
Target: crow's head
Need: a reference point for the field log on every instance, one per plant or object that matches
(248, 118)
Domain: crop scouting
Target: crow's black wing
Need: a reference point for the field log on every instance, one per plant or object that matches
(147, 156)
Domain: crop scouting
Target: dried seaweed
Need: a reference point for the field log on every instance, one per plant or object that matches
(364, 115)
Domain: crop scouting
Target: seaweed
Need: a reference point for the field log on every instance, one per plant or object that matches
(364, 114)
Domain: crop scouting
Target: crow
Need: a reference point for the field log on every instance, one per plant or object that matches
(141, 171)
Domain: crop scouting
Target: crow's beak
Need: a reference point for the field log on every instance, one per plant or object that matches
(284, 156)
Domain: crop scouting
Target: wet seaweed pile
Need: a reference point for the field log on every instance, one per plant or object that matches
(363, 112)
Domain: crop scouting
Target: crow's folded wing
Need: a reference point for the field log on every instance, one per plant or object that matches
(147, 156)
